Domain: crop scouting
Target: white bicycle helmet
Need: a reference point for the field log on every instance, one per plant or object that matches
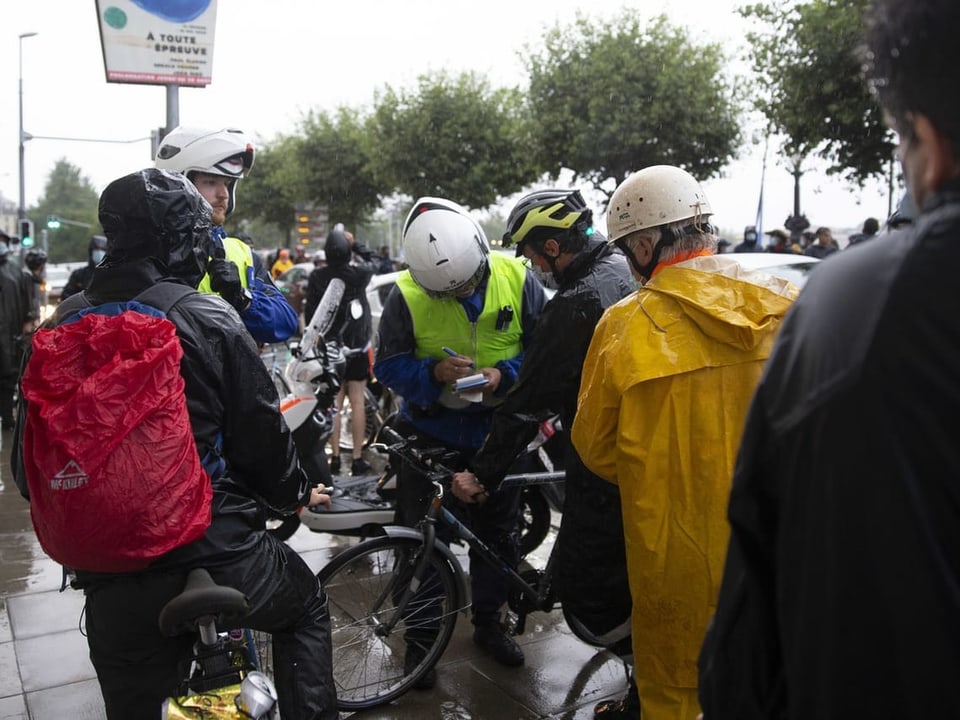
(657, 195)
(227, 152)
(444, 247)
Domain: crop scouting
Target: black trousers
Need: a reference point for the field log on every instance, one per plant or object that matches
(137, 667)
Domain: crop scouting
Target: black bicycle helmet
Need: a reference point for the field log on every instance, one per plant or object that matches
(545, 214)
(35, 258)
(337, 248)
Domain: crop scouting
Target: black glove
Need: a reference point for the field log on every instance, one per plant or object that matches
(225, 281)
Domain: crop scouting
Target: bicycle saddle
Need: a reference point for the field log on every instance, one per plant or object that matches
(200, 598)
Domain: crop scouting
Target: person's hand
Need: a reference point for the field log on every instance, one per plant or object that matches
(493, 376)
(225, 281)
(452, 368)
(319, 496)
(467, 488)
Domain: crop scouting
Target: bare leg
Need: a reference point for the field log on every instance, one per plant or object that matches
(358, 414)
(335, 434)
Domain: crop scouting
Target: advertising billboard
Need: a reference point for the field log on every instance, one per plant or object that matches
(158, 42)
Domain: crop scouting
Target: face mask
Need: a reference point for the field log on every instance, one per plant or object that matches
(97, 256)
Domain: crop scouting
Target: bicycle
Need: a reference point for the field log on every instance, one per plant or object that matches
(405, 588)
(228, 673)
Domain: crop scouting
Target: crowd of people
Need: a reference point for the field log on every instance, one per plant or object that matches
(762, 478)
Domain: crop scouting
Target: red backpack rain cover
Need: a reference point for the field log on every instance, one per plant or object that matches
(112, 466)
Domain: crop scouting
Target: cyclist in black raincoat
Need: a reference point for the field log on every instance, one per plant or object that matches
(158, 228)
(841, 591)
(554, 230)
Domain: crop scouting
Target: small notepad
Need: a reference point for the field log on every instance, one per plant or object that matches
(469, 382)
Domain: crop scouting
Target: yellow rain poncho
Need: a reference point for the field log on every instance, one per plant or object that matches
(665, 391)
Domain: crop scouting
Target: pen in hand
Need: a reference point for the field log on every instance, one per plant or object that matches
(453, 353)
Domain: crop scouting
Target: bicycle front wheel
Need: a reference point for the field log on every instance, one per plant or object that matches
(380, 650)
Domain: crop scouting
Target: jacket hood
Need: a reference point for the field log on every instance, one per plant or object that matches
(160, 215)
(683, 320)
(702, 288)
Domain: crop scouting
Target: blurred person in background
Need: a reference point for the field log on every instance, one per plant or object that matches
(281, 264)
(16, 322)
(824, 246)
(780, 242)
(34, 269)
(751, 241)
(80, 278)
(871, 226)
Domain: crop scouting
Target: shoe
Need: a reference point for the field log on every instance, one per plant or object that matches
(360, 467)
(415, 654)
(493, 639)
(335, 465)
(626, 708)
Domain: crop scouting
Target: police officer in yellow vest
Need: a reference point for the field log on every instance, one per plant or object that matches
(458, 310)
(214, 160)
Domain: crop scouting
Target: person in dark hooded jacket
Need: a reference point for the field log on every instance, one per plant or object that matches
(840, 595)
(80, 278)
(158, 229)
(554, 230)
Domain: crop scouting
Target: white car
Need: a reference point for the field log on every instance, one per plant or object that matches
(788, 266)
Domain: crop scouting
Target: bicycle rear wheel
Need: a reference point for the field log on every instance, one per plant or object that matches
(363, 584)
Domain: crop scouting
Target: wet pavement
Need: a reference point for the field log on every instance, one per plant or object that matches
(45, 673)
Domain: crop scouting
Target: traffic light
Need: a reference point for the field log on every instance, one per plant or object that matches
(303, 226)
(26, 232)
(53, 222)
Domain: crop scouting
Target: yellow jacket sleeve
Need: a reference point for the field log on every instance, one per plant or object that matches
(594, 432)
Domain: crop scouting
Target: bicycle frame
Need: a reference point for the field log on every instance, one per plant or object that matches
(394, 598)
(530, 597)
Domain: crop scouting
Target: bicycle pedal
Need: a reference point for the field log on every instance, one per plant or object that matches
(515, 623)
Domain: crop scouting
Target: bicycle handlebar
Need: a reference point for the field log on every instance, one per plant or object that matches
(429, 461)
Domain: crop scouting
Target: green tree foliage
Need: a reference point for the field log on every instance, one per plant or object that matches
(451, 137)
(608, 98)
(269, 194)
(70, 196)
(335, 166)
(804, 56)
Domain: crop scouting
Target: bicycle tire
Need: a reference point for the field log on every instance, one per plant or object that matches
(534, 520)
(615, 640)
(362, 584)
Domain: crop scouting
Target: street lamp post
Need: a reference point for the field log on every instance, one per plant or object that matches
(797, 222)
(21, 209)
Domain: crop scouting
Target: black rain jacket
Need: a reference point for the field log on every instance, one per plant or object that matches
(592, 576)
(841, 592)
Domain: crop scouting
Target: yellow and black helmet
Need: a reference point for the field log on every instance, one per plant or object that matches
(545, 214)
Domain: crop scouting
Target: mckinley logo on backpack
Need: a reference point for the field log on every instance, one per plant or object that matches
(112, 467)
